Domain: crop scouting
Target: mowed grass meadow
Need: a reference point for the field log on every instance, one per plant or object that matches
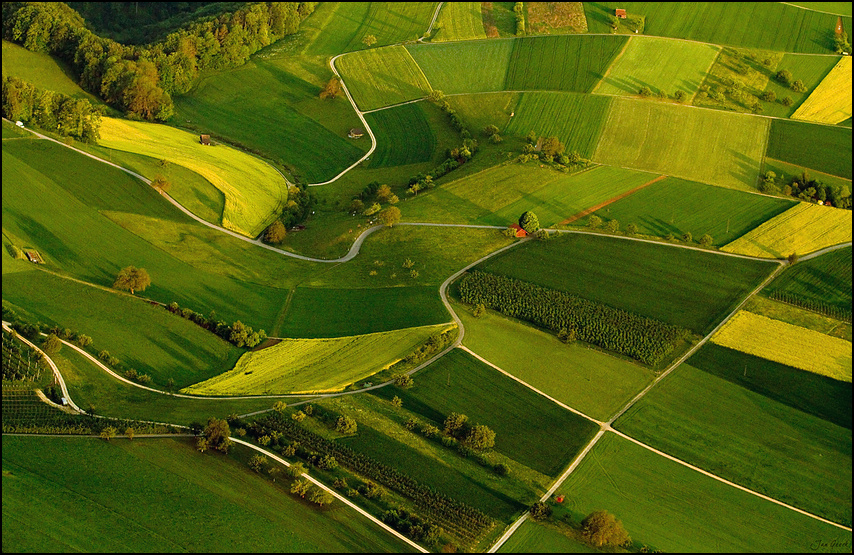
(404, 136)
(459, 21)
(156, 495)
(709, 146)
(43, 71)
(693, 513)
(830, 102)
(812, 146)
(464, 67)
(747, 438)
(314, 365)
(382, 76)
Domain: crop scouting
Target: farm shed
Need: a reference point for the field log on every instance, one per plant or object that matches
(34, 256)
(519, 231)
(205, 139)
(356, 133)
(620, 13)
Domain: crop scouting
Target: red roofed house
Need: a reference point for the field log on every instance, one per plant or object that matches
(620, 13)
(519, 231)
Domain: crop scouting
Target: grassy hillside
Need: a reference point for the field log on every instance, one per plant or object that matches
(464, 68)
(382, 76)
(459, 21)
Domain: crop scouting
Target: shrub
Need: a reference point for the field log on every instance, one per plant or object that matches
(799, 87)
(540, 511)
(784, 76)
(601, 528)
(787, 101)
(769, 96)
(594, 222)
(345, 425)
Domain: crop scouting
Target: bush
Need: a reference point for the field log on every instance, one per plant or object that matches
(645, 92)
(540, 511)
(769, 96)
(784, 76)
(787, 101)
(799, 87)
(345, 425)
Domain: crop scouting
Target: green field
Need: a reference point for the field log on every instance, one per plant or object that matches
(314, 365)
(804, 67)
(480, 110)
(382, 76)
(499, 195)
(818, 395)
(749, 439)
(464, 68)
(403, 136)
(533, 537)
(693, 513)
(678, 206)
(826, 279)
(528, 428)
(813, 146)
(669, 139)
(798, 316)
(576, 119)
(459, 21)
(586, 379)
(156, 495)
(660, 64)
(684, 287)
(582, 59)
(253, 189)
(754, 25)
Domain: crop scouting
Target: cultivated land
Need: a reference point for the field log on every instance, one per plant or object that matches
(382, 77)
(825, 279)
(464, 68)
(459, 21)
(811, 146)
(830, 102)
(805, 67)
(404, 136)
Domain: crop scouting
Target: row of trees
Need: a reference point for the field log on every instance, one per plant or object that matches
(140, 80)
(237, 333)
(638, 337)
(53, 111)
(807, 188)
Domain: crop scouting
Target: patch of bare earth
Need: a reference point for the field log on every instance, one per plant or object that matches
(489, 26)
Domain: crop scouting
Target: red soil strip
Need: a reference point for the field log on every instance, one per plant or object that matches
(610, 201)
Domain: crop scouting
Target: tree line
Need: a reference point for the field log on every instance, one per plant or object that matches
(641, 338)
(140, 80)
(53, 111)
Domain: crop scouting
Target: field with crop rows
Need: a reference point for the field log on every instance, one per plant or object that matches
(459, 21)
(802, 229)
(382, 77)
(825, 280)
(813, 146)
(582, 61)
(787, 344)
(692, 511)
(678, 206)
(403, 136)
(668, 139)
(253, 189)
(684, 287)
(797, 316)
(830, 102)
(468, 67)
(754, 25)
(660, 64)
(314, 365)
(533, 537)
(576, 119)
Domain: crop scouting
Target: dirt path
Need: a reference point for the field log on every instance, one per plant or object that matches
(610, 201)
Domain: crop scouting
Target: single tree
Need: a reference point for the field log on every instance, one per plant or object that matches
(540, 511)
(346, 425)
(687, 237)
(456, 425)
(799, 86)
(594, 222)
(680, 96)
(280, 406)
(784, 76)
(601, 528)
(787, 101)
(160, 183)
(332, 89)
(300, 487)
(275, 233)
(296, 470)
(258, 462)
(632, 228)
(612, 226)
(706, 240)
(321, 497)
(389, 216)
(490, 130)
(52, 344)
(217, 435)
(369, 40)
(479, 310)
(384, 193)
(769, 96)
(132, 279)
(397, 401)
(481, 438)
(552, 147)
(108, 433)
(404, 381)
(529, 222)
(356, 206)
(129, 432)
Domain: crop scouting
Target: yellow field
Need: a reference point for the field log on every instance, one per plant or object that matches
(315, 365)
(802, 229)
(787, 344)
(830, 102)
(253, 189)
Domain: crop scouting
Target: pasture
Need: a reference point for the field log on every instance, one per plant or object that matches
(253, 190)
(576, 119)
(811, 393)
(459, 21)
(684, 287)
(578, 375)
(749, 439)
(528, 428)
(787, 344)
(314, 365)
(403, 136)
(583, 60)
(480, 110)
(825, 279)
(693, 513)
(152, 495)
(533, 537)
(776, 27)
(498, 195)
(802, 229)
(830, 102)
(804, 67)
(663, 65)
(668, 139)
(812, 146)
(464, 68)
(382, 77)
(678, 206)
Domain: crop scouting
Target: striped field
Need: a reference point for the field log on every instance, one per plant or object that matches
(830, 102)
(382, 77)
(802, 229)
(459, 21)
(787, 344)
(464, 67)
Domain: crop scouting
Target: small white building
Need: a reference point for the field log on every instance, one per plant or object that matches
(19, 123)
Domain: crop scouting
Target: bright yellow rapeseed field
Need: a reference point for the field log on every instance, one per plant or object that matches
(802, 229)
(830, 102)
(787, 344)
(252, 188)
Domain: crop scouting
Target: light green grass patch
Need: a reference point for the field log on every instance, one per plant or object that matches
(464, 68)
(535, 537)
(43, 71)
(588, 380)
(660, 64)
(669, 139)
(459, 21)
(798, 317)
(693, 513)
(314, 365)
(809, 69)
(254, 191)
(382, 76)
(750, 439)
(499, 195)
(480, 110)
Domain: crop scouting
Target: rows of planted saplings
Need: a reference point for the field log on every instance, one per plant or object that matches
(19, 361)
(464, 520)
(641, 338)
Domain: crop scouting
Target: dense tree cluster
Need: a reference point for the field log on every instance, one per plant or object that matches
(418, 529)
(140, 80)
(638, 337)
(53, 111)
(806, 187)
(238, 333)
